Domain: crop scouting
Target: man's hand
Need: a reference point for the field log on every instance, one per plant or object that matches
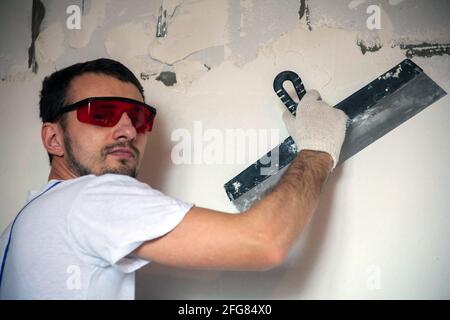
(317, 126)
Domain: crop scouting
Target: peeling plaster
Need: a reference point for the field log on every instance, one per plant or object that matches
(405, 23)
(371, 46)
(89, 23)
(163, 19)
(161, 25)
(197, 26)
(304, 12)
(146, 76)
(373, 40)
(38, 13)
(425, 49)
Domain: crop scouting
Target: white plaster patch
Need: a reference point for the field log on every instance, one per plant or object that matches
(393, 74)
(326, 60)
(89, 22)
(50, 44)
(355, 3)
(395, 2)
(128, 40)
(237, 186)
(129, 44)
(247, 4)
(242, 26)
(197, 25)
(188, 71)
(17, 73)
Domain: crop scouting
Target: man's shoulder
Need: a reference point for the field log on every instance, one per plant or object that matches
(107, 182)
(104, 178)
(111, 179)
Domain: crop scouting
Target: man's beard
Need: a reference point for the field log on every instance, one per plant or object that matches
(81, 170)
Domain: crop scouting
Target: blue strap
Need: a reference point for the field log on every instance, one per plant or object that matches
(5, 254)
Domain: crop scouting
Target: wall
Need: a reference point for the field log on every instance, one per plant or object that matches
(381, 230)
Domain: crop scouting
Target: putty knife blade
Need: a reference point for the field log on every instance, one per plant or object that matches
(373, 111)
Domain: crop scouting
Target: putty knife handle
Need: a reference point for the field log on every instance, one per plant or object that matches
(281, 92)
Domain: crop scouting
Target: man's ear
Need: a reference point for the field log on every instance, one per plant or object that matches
(52, 138)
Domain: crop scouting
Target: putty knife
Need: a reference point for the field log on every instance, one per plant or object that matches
(373, 111)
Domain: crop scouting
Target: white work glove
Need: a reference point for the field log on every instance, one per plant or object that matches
(317, 126)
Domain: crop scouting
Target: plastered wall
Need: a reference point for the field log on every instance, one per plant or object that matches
(382, 229)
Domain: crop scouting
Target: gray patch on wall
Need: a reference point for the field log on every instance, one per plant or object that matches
(169, 78)
(304, 11)
(425, 49)
(37, 14)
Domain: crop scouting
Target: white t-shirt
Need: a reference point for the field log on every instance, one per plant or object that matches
(74, 241)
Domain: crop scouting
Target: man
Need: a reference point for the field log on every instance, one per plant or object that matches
(85, 234)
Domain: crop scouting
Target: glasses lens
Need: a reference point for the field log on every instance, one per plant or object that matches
(107, 113)
(142, 118)
(102, 115)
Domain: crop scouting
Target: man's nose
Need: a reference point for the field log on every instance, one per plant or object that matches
(125, 128)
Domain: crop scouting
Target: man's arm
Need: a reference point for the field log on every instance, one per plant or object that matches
(260, 237)
(256, 239)
(290, 206)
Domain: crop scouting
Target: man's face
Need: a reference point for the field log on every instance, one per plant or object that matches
(88, 148)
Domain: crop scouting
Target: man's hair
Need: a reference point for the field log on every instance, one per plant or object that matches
(55, 87)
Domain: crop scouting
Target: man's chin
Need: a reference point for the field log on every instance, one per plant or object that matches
(124, 170)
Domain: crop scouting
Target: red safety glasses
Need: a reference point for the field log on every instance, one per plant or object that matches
(107, 111)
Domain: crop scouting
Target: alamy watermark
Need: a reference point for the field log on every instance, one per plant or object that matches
(73, 281)
(229, 146)
(374, 20)
(373, 281)
(73, 21)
